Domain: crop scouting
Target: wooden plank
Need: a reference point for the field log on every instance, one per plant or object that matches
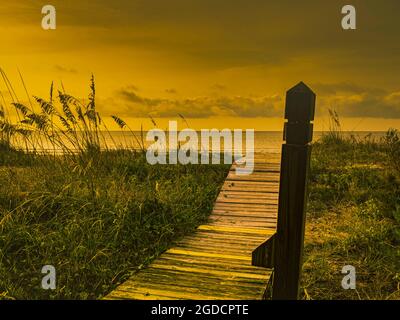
(234, 230)
(143, 293)
(268, 186)
(187, 282)
(255, 186)
(211, 266)
(244, 200)
(245, 219)
(207, 278)
(217, 262)
(265, 216)
(223, 250)
(176, 292)
(226, 236)
(245, 209)
(121, 294)
(267, 167)
(208, 254)
(222, 241)
(256, 176)
(222, 274)
(250, 188)
(226, 262)
(248, 194)
(186, 279)
(244, 223)
(244, 206)
(218, 242)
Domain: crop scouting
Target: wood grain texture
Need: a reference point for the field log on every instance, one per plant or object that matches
(288, 242)
(215, 262)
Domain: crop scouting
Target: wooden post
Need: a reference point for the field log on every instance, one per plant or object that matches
(288, 246)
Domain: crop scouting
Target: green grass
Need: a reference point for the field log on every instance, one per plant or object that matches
(95, 227)
(353, 218)
(97, 213)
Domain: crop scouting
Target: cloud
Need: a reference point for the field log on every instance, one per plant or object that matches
(218, 87)
(171, 91)
(335, 88)
(132, 87)
(348, 99)
(65, 69)
(131, 104)
(352, 100)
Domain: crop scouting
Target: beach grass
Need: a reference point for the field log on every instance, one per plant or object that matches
(96, 212)
(98, 227)
(353, 218)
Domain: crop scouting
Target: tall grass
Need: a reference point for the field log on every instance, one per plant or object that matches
(65, 122)
(353, 217)
(95, 232)
(96, 212)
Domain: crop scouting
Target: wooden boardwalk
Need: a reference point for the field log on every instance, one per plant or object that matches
(257, 224)
(216, 261)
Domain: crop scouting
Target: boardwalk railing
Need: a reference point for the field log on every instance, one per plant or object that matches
(283, 251)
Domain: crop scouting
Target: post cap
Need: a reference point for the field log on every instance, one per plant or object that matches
(300, 103)
(299, 112)
(300, 87)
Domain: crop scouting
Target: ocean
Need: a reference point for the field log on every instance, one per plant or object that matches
(264, 141)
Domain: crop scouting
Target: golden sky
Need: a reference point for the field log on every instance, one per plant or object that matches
(220, 63)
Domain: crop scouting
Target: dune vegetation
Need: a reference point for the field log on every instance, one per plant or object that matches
(353, 216)
(98, 213)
